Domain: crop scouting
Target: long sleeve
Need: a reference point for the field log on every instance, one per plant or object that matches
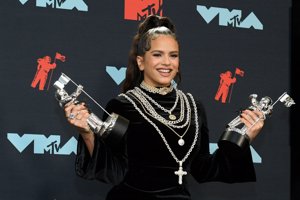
(107, 164)
(222, 165)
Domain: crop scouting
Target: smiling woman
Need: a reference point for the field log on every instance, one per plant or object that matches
(154, 46)
(167, 137)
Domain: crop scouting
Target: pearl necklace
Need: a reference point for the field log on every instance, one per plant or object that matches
(180, 171)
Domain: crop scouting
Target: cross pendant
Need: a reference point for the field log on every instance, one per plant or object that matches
(180, 173)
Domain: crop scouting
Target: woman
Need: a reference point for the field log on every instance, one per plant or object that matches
(167, 137)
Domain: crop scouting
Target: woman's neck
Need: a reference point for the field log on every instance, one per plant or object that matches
(156, 89)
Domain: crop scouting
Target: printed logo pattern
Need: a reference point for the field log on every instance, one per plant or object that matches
(226, 80)
(229, 18)
(80, 5)
(140, 9)
(42, 144)
(117, 75)
(43, 68)
(51, 145)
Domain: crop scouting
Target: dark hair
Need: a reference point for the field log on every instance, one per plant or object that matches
(149, 29)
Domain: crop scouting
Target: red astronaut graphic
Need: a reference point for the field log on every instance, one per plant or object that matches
(226, 80)
(43, 68)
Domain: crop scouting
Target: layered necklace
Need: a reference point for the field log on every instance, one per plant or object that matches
(161, 91)
(147, 100)
(148, 110)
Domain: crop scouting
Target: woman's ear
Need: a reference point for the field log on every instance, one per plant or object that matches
(140, 62)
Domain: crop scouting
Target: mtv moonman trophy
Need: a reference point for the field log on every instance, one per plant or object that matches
(235, 131)
(112, 130)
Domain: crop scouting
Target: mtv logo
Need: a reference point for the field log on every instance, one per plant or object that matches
(80, 5)
(43, 144)
(140, 9)
(229, 18)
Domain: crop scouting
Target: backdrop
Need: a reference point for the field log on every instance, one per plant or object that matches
(89, 41)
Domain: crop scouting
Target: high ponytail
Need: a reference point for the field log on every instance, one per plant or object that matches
(154, 21)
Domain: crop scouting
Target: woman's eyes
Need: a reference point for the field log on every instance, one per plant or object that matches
(159, 55)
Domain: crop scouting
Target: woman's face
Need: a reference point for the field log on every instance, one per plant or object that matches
(160, 64)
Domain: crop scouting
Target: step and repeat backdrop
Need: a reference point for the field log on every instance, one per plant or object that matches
(229, 50)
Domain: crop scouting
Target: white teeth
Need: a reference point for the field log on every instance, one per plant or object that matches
(164, 70)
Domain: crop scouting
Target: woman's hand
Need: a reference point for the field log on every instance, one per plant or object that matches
(77, 115)
(254, 121)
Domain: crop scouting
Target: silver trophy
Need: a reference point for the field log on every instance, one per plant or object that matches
(235, 131)
(112, 129)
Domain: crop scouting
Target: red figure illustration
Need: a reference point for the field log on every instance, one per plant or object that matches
(226, 80)
(43, 68)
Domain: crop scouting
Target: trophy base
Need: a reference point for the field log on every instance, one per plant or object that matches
(117, 132)
(233, 142)
(111, 130)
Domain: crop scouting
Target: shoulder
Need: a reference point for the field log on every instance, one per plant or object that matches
(117, 102)
(195, 99)
(119, 105)
(201, 111)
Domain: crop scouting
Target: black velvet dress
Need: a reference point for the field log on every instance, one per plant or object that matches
(141, 167)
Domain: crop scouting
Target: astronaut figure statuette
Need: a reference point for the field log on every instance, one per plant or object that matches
(235, 130)
(111, 130)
